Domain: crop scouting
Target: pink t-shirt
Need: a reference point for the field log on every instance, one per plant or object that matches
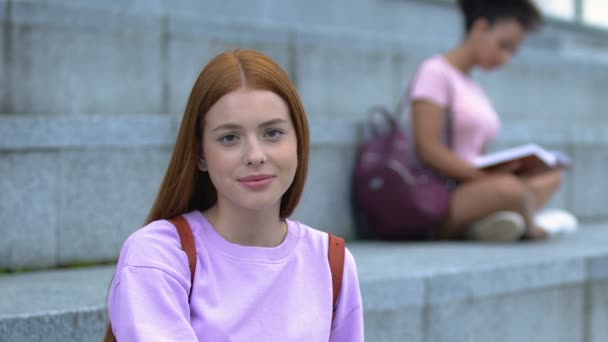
(240, 293)
(475, 122)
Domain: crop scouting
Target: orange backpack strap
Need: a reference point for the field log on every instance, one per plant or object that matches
(336, 251)
(188, 245)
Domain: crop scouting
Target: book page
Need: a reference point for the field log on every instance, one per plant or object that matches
(516, 153)
(523, 160)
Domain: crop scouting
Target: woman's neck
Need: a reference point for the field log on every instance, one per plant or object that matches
(248, 228)
(462, 58)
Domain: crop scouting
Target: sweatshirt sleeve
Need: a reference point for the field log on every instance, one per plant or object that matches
(148, 299)
(348, 323)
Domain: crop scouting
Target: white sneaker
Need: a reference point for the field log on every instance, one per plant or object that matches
(556, 222)
(502, 226)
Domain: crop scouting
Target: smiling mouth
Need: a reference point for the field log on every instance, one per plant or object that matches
(255, 178)
(257, 182)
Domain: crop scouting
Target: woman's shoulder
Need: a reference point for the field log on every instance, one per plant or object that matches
(155, 245)
(436, 63)
(433, 81)
(434, 68)
(307, 233)
(318, 238)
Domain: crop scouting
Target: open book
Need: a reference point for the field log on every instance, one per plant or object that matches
(530, 158)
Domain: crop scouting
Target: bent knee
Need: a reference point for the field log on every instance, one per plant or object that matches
(551, 180)
(557, 177)
(511, 189)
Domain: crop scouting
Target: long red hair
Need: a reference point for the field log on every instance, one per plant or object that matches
(185, 187)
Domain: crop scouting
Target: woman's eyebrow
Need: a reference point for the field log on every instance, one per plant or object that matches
(227, 126)
(234, 126)
(272, 122)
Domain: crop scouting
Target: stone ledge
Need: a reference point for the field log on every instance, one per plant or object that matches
(453, 271)
(395, 278)
(53, 132)
(82, 324)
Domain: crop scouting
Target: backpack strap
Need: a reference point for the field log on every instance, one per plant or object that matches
(336, 250)
(188, 245)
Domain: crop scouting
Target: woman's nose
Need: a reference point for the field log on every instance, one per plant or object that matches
(255, 154)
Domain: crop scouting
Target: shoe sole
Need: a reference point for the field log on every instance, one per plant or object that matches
(557, 222)
(506, 227)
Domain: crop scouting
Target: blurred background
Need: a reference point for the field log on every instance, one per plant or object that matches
(91, 94)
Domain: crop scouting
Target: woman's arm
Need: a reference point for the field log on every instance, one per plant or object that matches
(147, 304)
(148, 299)
(428, 120)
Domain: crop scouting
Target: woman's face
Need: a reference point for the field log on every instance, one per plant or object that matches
(250, 149)
(497, 43)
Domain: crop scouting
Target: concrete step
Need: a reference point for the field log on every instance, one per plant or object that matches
(344, 56)
(94, 179)
(57, 305)
(548, 291)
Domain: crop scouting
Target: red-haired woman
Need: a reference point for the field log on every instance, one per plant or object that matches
(236, 174)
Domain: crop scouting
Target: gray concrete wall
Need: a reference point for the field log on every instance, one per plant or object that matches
(137, 57)
(73, 188)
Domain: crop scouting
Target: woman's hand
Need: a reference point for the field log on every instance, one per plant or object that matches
(509, 167)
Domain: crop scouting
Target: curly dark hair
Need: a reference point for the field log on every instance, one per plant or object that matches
(524, 11)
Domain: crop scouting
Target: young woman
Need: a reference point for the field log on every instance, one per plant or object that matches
(236, 174)
(497, 206)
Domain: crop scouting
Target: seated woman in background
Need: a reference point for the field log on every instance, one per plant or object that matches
(487, 206)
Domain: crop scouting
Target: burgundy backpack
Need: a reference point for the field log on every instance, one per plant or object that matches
(396, 196)
(335, 256)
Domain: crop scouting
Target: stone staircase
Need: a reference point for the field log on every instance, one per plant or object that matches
(91, 94)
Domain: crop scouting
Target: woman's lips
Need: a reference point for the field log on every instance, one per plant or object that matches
(256, 182)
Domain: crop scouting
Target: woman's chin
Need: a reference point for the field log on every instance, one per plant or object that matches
(260, 204)
(490, 67)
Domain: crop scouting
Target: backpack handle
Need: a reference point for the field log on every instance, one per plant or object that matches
(379, 119)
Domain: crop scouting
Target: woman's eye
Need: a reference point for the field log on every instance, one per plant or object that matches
(273, 133)
(229, 138)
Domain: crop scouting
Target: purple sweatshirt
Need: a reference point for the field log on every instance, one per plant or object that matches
(241, 293)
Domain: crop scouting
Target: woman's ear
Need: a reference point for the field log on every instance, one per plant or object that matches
(480, 25)
(202, 164)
